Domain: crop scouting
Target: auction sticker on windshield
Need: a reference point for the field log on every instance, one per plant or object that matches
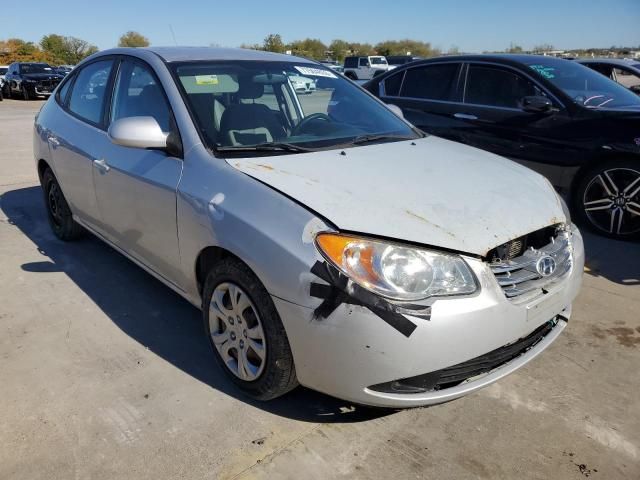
(317, 72)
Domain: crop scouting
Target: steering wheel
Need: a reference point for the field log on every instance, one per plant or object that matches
(306, 120)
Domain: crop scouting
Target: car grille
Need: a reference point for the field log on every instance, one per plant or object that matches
(48, 84)
(451, 376)
(529, 264)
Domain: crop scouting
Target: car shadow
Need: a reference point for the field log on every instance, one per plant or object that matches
(617, 261)
(151, 313)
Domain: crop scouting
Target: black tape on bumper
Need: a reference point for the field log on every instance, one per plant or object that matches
(340, 290)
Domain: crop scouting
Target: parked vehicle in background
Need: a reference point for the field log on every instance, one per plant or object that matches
(63, 70)
(280, 222)
(556, 116)
(397, 60)
(364, 68)
(30, 80)
(625, 72)
(302, 84)
(333, 65)
(3, 71)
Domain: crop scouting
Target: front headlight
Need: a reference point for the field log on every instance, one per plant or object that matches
(395, 271)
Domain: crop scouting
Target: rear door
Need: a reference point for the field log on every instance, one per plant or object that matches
(136, 188)
(426, 94)
(78, 136)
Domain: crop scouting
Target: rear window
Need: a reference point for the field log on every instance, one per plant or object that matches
(433, 82)
(351, 62)
(392, 84)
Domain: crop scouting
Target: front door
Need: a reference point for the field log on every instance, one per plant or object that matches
(136, 188)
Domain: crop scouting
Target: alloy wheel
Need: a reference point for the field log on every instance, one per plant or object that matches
(237, 332)
(611, 201)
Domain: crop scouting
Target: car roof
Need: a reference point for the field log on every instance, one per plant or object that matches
(506, 58)
(185, 54)
(611, 61)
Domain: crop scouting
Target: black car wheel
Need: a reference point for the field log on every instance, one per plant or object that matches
(607, 199)
(7, 90)
(25, 93)
(351, 75)
(58, 211)
(246, 333)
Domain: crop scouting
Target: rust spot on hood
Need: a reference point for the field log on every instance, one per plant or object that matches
(422, 219)
(266, 167)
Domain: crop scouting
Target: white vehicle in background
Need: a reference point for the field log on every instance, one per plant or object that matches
(365, 68)
(302, 84)
(3, 70)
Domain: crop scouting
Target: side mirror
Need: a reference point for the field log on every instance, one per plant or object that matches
(536, 104)
(137, 132)
(395, 109)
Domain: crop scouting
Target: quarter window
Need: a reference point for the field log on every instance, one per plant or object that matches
(433, 82)
(89, 91)
(497, 87)
(138, 94)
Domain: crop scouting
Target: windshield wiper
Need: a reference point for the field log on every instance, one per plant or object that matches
(360, 139)
(267, 147)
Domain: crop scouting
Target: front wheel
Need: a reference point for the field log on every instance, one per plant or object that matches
(607, 199)
(246, 333)
(25, 93)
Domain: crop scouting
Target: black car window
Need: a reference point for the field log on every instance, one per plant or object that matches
(392, 84)
(89, 91)
(138, 94)
(496, 87)
(434, 82)
(364, 62)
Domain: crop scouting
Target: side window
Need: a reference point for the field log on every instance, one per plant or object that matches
(392, 84)
(138, 94)
(496, 87)
(64, 90)
(364, 62)
(433, 82)
(626, 78)
(89, 91)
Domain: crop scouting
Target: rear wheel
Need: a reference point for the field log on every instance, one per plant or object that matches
(25, 93)
(246, 333)
(607, 199)
(351, 75)
(58, 211)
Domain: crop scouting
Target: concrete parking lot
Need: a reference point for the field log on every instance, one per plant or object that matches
(106, 374)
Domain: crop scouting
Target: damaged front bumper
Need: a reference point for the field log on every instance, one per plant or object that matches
(354, 355)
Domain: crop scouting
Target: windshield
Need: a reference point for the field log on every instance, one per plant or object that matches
(586, 87)
(298, 106)
(35, 68)
(378, 61)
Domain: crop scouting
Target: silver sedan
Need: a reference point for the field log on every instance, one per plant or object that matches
(327, 241)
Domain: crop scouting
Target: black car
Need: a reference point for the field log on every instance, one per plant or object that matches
(556, 116)
(29, 80)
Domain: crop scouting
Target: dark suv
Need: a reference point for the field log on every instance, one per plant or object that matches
(30, 80)
(568, 122)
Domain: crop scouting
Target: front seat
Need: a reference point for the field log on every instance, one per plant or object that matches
(249, 123)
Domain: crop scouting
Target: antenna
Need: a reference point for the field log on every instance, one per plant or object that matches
(173, 34)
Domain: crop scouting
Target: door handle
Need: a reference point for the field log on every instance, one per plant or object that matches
(53, 140)
(101, 164)
(465, 116)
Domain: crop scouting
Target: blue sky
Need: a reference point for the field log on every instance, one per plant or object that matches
(473, 26)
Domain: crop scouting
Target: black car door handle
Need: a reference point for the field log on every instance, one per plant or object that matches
(465, 116)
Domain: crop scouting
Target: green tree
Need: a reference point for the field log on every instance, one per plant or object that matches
(407, 46)
(339, 49)
(133, 39)
(66, 50)
(514, 48)
(273, 43)
(309, 47)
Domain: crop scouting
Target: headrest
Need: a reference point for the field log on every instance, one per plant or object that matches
(251, 90)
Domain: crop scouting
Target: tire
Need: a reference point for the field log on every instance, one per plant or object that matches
(351, 75)
(58, 211)
(25, 93)
(7, 90)
(275, 375)
(607, 199)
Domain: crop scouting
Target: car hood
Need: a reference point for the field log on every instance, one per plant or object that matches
(430, 191)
